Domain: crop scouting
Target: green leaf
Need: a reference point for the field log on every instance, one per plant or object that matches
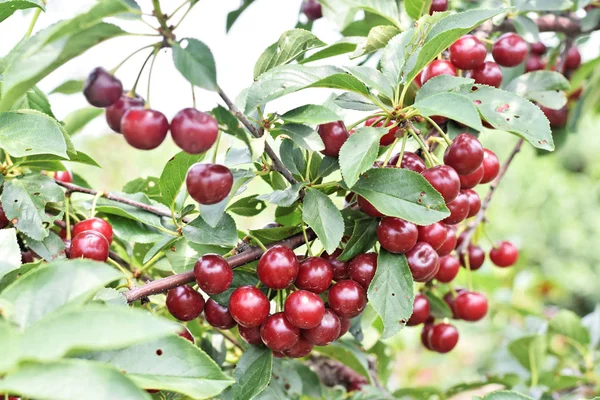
(270, 235)
(8, 7)
(293, 158)
(130, 230)
(223, 234)
(283, 198)
(212, 214)
(25, 199)
(50, 249)
(248, 206)
(342, 46)
(10, 252)
(364, 237)
(348, 354)
(443, 83)
(131, 212)
(395, 55)
(402, 193)
(378, 38)
(252, 373)
(196, 63)
(543, 87)
(546, 5)
(34, 99)
(303, 135)
(530, 351)
(25, 133)
(359, 152)
(353, 101)
(182, 254)
(388, 9)
(229, 124)
(439, 308)
(78, 119)
(568, 324)
(319, 212)
(310, 114)
(526, 28)
(240, 278)
(72, 86)
(374, 79)
(417, 8)
(173, 175)
(506, 395)
(165, 243)
(235, 14)
(452, 105)
(391, 292)
(291, 45)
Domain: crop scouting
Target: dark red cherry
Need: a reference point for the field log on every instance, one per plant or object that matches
(362, 269)
(459, 209)
(437, 68)
(249, 306)
(491, 166)
(465, 154)
(397, 235)
(510, 50)
(538, 48)
(423, 262)
(471, 180)
(326, 331)
(213, 274)
(389, 137)
(557, 118)
(115, 112)
(347, 299)
(312, 9)
(194, 131)
(476, 257)
(340, 268)
(63, 176)
(218, 315)
(278, 334)
(421, 310)
(186, 334)
(27, 257)
(67, 243)
(449, 243)
(3, 220)
(302, 348)
(345, 326)
(410, 161)
(573, 58)
(184, 303)
(278, 267)
(434, 234)
(474, 202)
(449, 267)
(504, 254)
(101, 88)
(368, 208)
(442, 338)
(470, 306)
(250, 335)
(304, 309)
(425, 335)
(91, 245)
(438, 6)
(96, 225)
(143, 128)
(445, 180)
(334, 135)
(468, 52)
(534, 63)
(489, 74)
(315, 275)
(209, 183)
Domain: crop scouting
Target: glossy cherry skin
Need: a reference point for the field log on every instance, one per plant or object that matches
(389, 137)
(465, 154)
(505, 254)
(449, 244)
(442, 338)
(437, 68)
(209, 183)
(471, 180)
(459, 209)
(328, 330)
(468, 52)
(115, 112)
(438, 6)
(315, 275)
(421, 311)
(557, 118)
(186, 334)
(278, 267)
(248, 306)
(476, 257)
(410, 161)
(250, 335)
(340, 268)
(488, 74)
(312, 9)
(362, 269)
(63, 176)
(368, 208)
(449, 267)
(425, 335)
(344, 326)
(347, 299)
(101, 88)
(143, 128)
(491, 166)
(194, 131)
(304, 309)
(445, 180)
(94, 224)
(278, 334)
(184, 303)
(423, 262)
(534, 63)
(434, 234)
(334, 135)
(470, 306)
(3, 220)
(218, 315)
(538, 48)
(91, 245)
(573, 58)
(302, 348)
(213, 274)
(510, 50)
(397, 235)
(474, 202)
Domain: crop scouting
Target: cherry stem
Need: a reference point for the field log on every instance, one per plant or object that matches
(404, 140)
(423, 146)
(34, 19)
(193, 96)
(389, 152)
(177, 9)
(154, 54)
(216, 148)
(137, 80)
(114, 70)
(126, 273)
(306, 240)
(440, 130)
(68, 216)
(258, 242)
(310, 155)
(94, 202)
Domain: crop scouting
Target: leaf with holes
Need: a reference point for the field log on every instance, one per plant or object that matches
(319, 212)
(196, 63)
(359, 152)
(543, 87)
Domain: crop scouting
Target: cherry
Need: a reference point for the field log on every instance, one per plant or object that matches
(438, 6)
(315, 275)
(489, 74)
(442, 337)
(468, 52)
(218, 315)
(397, 235)
(347, 299)
(491, 166)
(344, 326)
(186, 334)
(194, 131)
(101, 88)
(573, 58)
(368, 208)
(278, 267)
(340, 268)
(304, 309)
(425, 335)
(328, 329)
(67, 247)
(362, 269)
(423, 262)
(389, 137)
(302, 348)
(28, 257)
(449, 267)
(476, 257)
(278, 334)
(538, 48)
(437, 68)
(356, 385)
(504, 254)
(250, 335)
(91, 245)
(449, 243)
(434, 234)
(115, 112)
(474, 202)
(184, 303)
(209, 183)
(557, 118)
(470, 306)
(94, 224)
(450, 299)
(510, 50)
(421, 310)
(312, 9)
(445, 180)
(3, 220)
(410, 161)
(334, 135)
(465, 154)
(459, 209)
(213, 274)
(143, 128)
(63, 176)
(471, 180)
(534, 63)
(248, 306)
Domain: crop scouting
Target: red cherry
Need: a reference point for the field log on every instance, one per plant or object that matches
(491, 166)
(471, 180)
(340, 268)
(449, 267)
(425, 335)
(368, 208)
(28, 257)
(304, 309)
(344, 326)
(63, 176)
(315, 275)
(489, 74)
(115, 112)
(510, 50)
(438, 6)
(538, 48)
(213, 274)
(328, 330)
(389, 137)
(301, 349)
(250, 335)
(347, 299)
(557, 118)
(504, 254)
(101, 88)
(362, 269)
(468, 52)
(421, 310)
(434, 234)
(573, 58)
(312, 9)
(465, 154)
(470, 306)
(450, 299)
(476, 257)
(397, 235)
(209, 183)
(3, 220)
(194, 131)
(96, 225)
(410, 161)
(442, 338)
(248, 306)
(459, 209)
(449, 243)
(423, 262)
(186, 334)
(445, 180)
(278, 334)
(534, 63)
(143, 128)
(474, 202)
(334, 135)
(278, 267)
(437, 68)
(218, 315)
(67, 247)
(91, 245)
(184, 303)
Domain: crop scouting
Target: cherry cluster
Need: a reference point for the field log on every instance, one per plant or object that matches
(91, 239)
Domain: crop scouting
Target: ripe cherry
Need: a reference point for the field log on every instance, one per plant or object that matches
(248, 306)
(449, 243)
(250, 335)
(491, 166)
(504, 254)
(362, 269)
(510, 50)
(474, 202)
(218, 315)
(442, 337)
(94, 224)
(28, 257)
(63, 176)
(468, 52)
(278, 267)
(534, 63)
(538, 48)
(328, 329)
(312, 9)
(368, 208)
(470, 306)
(434, 234)
(334, 135)
(345, 326)
(427, 327)
(302, 348)
(340, 268)
(389, 137)
(91, 245)
(438, 6)
(209, 183)
(194, 131)
(488, 74)
(410, 161)
(573, 58)
(213, 274)
(347, 299)
(397, 235)
(315, 275)
(101, 88)
(437, 68)
(557, 118)
(304, 309)
(3, 220)
(449, 267)
(115, 112)
(423, 262)
(476, 257)
(143, 128)
(278, 334)
(459, 209)
(184, 303)
(445, 180)
(421, 311)
(465, 154)
(471, 180)
(186, 334)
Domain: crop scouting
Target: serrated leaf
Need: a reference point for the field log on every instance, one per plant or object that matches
(8, 7)
(173, 176)
(50, 249)
(283, 198)
(319, 212)
(78, 119)
(223, 234)
(24, 133)
(451, 105)
(363, 238)
(196, 63)
(378, 38)
(10, 252)
(34, 99)
(543, 87)
(252, 373)
(359, 152)
(303, 135)
(310, 114)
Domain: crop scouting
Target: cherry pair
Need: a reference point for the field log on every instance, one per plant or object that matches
(91, 240)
